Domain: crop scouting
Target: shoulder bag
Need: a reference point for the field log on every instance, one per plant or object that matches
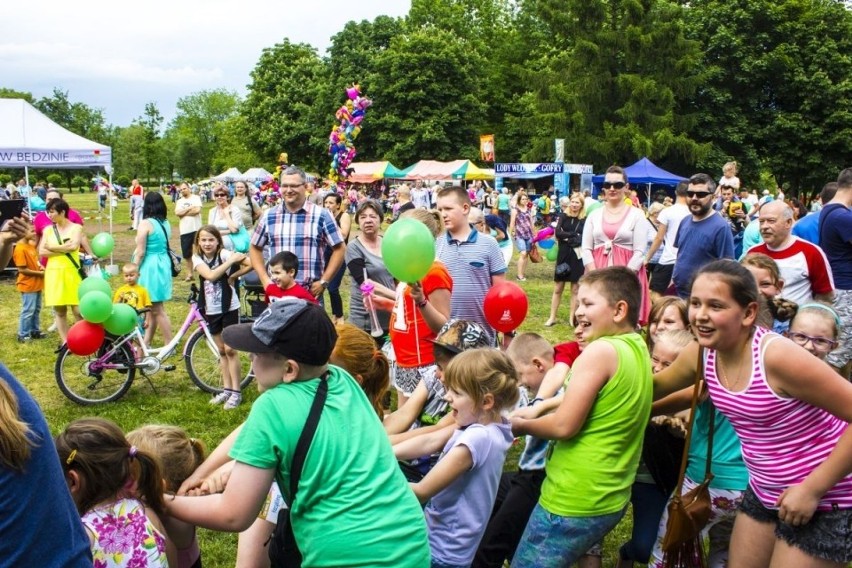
(80, 270)
(174, 258)
(283, 549)
(683, 545)
(535, 254)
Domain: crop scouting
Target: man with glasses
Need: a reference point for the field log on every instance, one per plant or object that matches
(302, 228)
(702, 237)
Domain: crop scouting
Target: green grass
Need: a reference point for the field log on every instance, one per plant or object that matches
(172, 398)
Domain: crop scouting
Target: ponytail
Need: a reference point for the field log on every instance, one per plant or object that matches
(14, 441)
(149, 482)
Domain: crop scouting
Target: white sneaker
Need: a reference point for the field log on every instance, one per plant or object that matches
(233, 401)
(220, 398)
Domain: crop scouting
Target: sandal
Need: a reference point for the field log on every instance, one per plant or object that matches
(188, 279)
(549, 323)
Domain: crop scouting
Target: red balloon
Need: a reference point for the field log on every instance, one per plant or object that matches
(84, 338)
(506, 306)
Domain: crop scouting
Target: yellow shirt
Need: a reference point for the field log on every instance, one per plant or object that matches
(136, 296)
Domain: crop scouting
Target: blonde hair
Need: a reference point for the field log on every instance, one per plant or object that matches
(428, 218)
(655, 208)
(178, 454)
(477, 372)
(527, 346)
(764, 262)
(356, 352)
(731, 165)
(130, 266)
(677, 339)
(822, 311)
(582, 213)
(14, 433)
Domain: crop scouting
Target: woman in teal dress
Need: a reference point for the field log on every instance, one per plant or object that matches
(155, 267)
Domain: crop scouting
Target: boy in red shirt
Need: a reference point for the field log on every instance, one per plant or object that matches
(283, 268)
(30, 283)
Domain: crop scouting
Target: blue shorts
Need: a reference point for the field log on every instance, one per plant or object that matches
(554, 541)
(523, 245)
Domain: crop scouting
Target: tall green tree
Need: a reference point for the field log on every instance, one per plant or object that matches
(612, 79)
(426, 99)
(281, 112)
(128, 156)
(152, 152)
(198, 128)
(779, 92)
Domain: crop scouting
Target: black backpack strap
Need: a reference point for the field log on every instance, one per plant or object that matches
(294, 555)
(307, 436)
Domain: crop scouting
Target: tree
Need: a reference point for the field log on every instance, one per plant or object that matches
(6, 93)
(426, 101)
(353, 57)
(128, 151)
(612, 79)
(196, 133)
(779, 93)
(281, 112)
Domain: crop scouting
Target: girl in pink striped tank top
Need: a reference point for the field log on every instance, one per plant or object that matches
(790, 411)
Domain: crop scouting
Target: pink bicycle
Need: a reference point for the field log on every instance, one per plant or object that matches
(108, 374)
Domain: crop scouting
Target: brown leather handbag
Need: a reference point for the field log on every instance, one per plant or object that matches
(683, 545)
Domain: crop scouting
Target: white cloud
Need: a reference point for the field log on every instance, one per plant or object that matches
(119, 55)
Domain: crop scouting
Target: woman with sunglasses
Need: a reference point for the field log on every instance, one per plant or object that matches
(225, 216)
(616, 234)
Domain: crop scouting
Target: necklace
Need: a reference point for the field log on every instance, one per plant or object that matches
(728, 385)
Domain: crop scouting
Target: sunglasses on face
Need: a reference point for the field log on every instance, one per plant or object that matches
(221, 195)
(613, 184)
(698, 194)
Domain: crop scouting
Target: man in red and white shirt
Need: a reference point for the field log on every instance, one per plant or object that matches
(804, 267)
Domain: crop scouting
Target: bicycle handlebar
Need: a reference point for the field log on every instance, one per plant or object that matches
(193, 294)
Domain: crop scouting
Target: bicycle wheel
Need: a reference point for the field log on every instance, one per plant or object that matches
(202, 364)
(94, 378)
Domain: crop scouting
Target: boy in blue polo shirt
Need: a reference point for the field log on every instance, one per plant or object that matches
(473, 259)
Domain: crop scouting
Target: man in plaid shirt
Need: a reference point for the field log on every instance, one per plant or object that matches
(302, 228)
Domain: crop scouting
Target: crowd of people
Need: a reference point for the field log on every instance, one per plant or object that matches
(657, 299)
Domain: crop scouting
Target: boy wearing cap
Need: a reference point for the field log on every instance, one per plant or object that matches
(345, 479)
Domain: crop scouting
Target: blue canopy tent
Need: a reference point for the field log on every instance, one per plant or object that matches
(644, 172)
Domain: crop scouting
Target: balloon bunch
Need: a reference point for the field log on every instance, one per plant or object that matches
(341, 145)
(100, 316)
(269, 194)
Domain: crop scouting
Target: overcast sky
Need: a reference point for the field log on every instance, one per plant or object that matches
(117, 56)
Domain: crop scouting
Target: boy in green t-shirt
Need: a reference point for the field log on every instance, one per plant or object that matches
(349, 475)
(597, 429)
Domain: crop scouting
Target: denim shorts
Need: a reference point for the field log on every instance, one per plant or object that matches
(827, 535)
(554, 541)
(523, 245)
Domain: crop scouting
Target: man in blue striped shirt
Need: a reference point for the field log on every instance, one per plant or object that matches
(473, 259)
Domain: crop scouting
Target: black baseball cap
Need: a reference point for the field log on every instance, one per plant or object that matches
(298, 329)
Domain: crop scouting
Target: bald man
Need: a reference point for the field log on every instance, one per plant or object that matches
(804, 267)
(403, 197)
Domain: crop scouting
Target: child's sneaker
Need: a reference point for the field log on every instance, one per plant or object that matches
(233, 401)
(220, 398)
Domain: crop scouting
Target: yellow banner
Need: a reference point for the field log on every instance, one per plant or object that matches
(486, 147)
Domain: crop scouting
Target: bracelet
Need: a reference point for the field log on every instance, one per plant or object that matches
(422, 304)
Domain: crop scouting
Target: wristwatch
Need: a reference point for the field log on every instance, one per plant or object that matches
(323, 283)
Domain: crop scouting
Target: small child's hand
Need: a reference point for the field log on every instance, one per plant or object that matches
(237, 257)
(526, 413)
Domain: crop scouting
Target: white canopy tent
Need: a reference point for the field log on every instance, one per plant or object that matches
(29, 139)
(229, 175)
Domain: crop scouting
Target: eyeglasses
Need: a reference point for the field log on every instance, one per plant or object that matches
(819, 343)
(290, 185)
(221, 195)
(698, 194)
(615, 184)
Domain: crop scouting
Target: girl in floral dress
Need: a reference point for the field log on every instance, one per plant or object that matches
(119, 494)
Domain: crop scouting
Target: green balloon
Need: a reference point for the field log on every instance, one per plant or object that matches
(122, 319)
(551, 253)
(93, 284)
(102, 245)
(95, 306)
(408, 250)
